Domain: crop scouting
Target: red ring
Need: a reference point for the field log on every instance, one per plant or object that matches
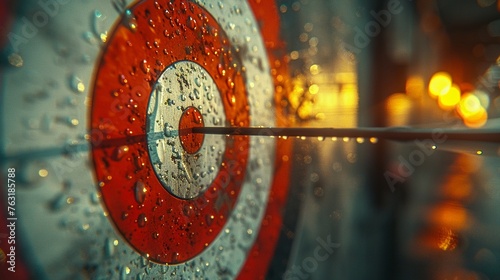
(260, 255)
(162, 227)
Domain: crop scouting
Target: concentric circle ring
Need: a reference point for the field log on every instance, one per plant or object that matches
(150, 38)
(183, 96)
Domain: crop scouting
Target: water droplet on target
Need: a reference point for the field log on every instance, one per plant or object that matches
(120, 152)
(151, 23)
(97, 26)
(191, 23)
(230, 83)
(76, 84)
(119, 5)
(140, 192)
(141, 220)
(196, 93)
(60, 202)
(123, 80)
(209, 219)
(231, 98)
(130, 21)
(221, 70)
(145, 66)
(109, 247)
(125, 271)
(15, 60)
(197, 81)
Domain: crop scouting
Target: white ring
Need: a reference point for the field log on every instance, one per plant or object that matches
(57, 73)
(182, 85)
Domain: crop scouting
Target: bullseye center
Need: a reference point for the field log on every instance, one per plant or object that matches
(191, 142)
(185, 96)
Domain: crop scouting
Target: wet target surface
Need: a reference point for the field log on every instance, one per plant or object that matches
(98, 100)
(174, 213)
(158, 200)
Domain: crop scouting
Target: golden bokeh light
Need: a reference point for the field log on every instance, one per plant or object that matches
(471, 111)
(449, 99)
(469, 105)
(453, 216)
(349, 95)
(313, 89)
(415, 86)
(458, 187)
(305, 110)
(314, 69)
(297, 92)
(440, 82)
(398, 106)
(477, 120)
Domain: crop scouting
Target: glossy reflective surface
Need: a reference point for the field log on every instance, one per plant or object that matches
(94, 94)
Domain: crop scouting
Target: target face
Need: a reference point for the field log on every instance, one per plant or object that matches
(170, 195)
(113, 177)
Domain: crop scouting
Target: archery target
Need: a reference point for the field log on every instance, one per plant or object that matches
(124, 192)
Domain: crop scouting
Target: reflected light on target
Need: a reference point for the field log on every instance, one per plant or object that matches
(440, 83)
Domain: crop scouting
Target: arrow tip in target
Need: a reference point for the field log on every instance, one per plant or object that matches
(190, 118)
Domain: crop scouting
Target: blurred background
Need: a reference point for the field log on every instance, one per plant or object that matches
(394, 210)
(396, 213)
